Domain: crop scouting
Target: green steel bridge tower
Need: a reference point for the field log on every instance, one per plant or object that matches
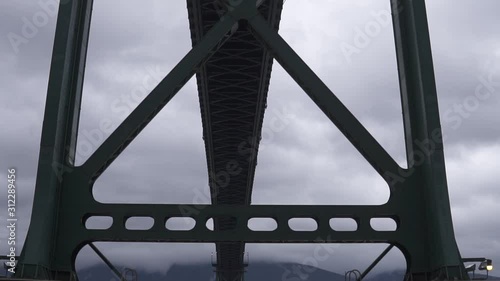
(234, 44)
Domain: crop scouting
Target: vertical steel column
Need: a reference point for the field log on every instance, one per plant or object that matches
(58, 143)
(424, 140)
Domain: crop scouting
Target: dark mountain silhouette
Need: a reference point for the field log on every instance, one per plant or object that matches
(205, 272)
(255, 272)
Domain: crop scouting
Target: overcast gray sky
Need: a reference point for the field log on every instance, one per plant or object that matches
(133, 44)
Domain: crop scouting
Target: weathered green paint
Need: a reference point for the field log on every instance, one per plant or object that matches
(418, 202)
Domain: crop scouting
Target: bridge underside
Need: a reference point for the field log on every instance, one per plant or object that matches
(232, 86)
(231, 53)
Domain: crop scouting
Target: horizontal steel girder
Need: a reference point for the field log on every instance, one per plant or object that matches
(281, 213)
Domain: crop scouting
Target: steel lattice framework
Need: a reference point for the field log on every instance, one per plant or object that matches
(233, 86)
(233, 45)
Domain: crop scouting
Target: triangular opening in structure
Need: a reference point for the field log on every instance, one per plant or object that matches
(305, 159)
(132, 47)
(165, 163)
(350, 46)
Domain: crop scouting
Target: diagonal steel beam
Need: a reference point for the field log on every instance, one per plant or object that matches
(325, 99)
(106, 261)
(375, 262)
(157, 99)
